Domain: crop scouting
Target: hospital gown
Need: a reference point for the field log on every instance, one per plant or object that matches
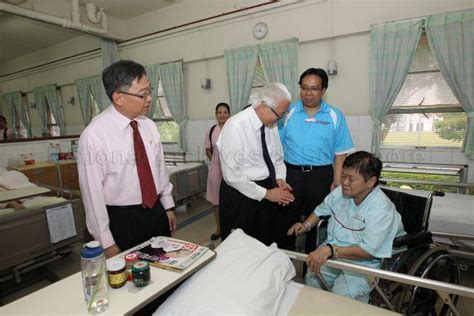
(372, 226)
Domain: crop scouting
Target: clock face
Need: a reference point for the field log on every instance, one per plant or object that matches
(260, 30)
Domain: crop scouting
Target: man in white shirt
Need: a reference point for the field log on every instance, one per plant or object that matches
(124, 182)
(254, 191)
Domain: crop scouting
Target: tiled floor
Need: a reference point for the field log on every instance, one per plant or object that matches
(195, 223)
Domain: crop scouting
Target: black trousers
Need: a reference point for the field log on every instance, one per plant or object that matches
(132, 225)
(259, 219)
(310, 188)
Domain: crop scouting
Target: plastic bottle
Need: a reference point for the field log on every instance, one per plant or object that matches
(53, 152)
(94, 277)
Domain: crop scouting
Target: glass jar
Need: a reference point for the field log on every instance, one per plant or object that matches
(141, 273)
(117, 273)
(130, 259)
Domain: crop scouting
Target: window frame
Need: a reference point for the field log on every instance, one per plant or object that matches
(423, 109)
(165, 118)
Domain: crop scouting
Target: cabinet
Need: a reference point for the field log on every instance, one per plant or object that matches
(68, 175)
(62, 174)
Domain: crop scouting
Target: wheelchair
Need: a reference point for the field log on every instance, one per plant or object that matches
(414, 254)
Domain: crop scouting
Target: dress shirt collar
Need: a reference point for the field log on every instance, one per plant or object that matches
(121, 120)
(323, 107)
(254, 119)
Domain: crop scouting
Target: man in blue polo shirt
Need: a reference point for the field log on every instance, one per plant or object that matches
(315, 140)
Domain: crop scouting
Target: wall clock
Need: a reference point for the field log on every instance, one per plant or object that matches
(260, 30)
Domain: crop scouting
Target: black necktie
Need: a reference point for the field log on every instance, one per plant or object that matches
(266, 157)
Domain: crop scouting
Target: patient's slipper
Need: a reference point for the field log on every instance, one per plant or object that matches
(215, 236)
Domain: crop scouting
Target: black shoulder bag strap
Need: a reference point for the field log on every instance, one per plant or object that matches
(210, 136)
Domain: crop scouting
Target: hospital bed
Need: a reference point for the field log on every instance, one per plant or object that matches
(189, 178)
(40, 233)
(249, 278)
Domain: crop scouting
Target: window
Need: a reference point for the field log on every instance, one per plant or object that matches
(94, 106)
(259, 80)
(425, 112)
(168, 128)
(53, 127)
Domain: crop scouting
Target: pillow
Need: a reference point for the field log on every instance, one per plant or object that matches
(246, 277)
(15, 180)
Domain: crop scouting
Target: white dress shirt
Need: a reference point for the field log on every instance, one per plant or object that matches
(108, 172)
(240, 153)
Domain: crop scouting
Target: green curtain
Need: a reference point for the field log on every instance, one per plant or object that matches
(280, 61)
(110, 52)
(171, 76)
(11, 109)
(13, 100)
(154, 77)
(45, 96)
(41, 107)
(97, 88)
(86, 86)
(240, 66)
(84, 92)
(391, 50)
(451, 37)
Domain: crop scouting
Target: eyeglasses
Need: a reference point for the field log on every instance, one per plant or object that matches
(275, 112)
(141, 96)
(305, 89)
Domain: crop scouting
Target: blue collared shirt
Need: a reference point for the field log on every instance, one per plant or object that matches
(372, 225)
(314, 141)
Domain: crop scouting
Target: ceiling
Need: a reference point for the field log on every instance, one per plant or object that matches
(20, 36)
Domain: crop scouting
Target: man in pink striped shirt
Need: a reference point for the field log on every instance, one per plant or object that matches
(116, 212)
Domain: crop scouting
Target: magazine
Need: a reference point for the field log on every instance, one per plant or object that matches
(169, 253)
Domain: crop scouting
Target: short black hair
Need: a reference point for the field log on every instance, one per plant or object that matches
(366, 164)
(321, 73)
(120, 75)
(224, 105)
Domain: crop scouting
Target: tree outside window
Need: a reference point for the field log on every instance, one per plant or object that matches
(425, 112)
(168, 128)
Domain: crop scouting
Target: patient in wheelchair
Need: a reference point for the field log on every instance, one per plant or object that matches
(362, 225)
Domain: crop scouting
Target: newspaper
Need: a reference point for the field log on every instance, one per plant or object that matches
(169, 253)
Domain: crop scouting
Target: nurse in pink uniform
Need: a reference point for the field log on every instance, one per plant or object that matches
(214, 177)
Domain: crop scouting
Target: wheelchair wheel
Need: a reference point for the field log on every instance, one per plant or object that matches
(400, 263)
(435, 264)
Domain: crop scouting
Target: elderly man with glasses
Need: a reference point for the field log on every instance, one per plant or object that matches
(251, 156)
(122, 174)
(361, 229)
(315, 140)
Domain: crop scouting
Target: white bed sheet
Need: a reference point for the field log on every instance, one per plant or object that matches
(289, 298)
(183, 166)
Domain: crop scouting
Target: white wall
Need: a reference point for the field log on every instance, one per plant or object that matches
(202, 47)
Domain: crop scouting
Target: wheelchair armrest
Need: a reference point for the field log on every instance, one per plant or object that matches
(323, 221)
(421, 238)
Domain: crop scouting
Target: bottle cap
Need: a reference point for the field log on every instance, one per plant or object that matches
(140, 266)
(91, 250)
(115, 264)
(131, 257)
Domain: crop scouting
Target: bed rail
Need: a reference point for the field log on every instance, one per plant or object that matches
(443, 289)
(175, 157)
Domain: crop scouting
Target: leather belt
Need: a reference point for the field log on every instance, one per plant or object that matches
(305, 168)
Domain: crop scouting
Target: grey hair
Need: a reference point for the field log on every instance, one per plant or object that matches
(271, 95)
